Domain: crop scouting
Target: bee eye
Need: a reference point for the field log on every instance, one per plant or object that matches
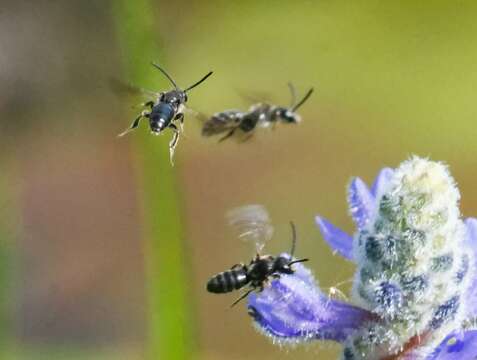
(289, 116)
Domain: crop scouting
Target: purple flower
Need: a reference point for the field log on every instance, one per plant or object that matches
(415, 288)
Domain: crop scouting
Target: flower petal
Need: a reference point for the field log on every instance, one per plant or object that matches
(381, 180)
(293, 309)
(456, 346)
(471, 298)
(361, 202)
(339, 241)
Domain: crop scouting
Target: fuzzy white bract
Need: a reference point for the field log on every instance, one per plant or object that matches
(413, 264)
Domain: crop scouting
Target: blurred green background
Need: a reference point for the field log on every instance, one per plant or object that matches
(105, 249)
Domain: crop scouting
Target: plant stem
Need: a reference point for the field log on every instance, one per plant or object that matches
(169, 317)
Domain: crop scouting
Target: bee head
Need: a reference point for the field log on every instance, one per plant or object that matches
(282, 265)
(288, 116)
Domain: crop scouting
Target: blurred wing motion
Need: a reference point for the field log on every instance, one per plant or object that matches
(221, 122)
(202, 117)
(252, 97)
(252, 223)
(124, 89)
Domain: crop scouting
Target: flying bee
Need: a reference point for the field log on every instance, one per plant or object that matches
(253, 223)
(166, 110)
(260, 114)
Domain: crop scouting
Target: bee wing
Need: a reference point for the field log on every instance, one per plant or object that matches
(123, 88)
(252, 224)
(221, 122)
(202, 117)
(253, 97)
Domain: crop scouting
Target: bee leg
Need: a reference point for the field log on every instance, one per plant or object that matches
(236, 266)
(180, 117)
(247, 138)
(229, 134)
(173, 142)
(181, 122)
(148, 104)
(135, 123)
(242, 297)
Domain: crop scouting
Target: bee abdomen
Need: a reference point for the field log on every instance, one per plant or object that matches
(161, 116)
(227, 281)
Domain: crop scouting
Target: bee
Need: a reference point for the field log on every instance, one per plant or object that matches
(260, 114)
(165, 110)
(253, 223)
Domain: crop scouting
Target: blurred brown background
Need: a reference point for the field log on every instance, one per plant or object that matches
(390, 80)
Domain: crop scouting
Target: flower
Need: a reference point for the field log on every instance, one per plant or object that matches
(414, 292)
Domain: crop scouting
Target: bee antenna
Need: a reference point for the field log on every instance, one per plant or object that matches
(293, 94)
(297, 261)
(303, 100)
(198, 82)
(293, 228)
(165, 74)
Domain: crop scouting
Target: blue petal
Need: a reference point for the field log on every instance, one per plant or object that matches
(339, 241)
(293, 309)
(381, 181)
(471, 298)
(361, 202)
(457, 346)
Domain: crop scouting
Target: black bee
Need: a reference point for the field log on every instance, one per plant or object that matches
(253, 219)
(261, 114)
(166, 110)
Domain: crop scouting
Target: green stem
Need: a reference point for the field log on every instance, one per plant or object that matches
(170, 324)
(9, 229)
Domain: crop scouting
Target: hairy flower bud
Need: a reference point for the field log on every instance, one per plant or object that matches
(411, 260)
